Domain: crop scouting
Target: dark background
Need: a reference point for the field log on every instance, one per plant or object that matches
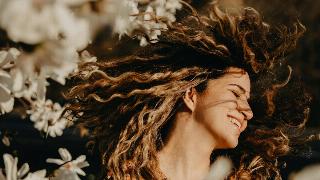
(305, 61)
(33, 147)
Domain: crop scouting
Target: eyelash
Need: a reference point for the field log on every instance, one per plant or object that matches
(235, 93)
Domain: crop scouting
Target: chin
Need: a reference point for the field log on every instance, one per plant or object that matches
(233, 146)
(229, 144)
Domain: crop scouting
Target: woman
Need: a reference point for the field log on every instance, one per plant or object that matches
(165, 111)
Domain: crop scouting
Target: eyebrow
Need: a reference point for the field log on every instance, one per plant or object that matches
(241, 88)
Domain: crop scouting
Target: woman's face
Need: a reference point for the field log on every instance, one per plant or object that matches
(223, 107)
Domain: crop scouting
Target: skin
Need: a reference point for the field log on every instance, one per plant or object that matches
(203, 125)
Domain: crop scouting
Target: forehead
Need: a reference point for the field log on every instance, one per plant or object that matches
(233, 78)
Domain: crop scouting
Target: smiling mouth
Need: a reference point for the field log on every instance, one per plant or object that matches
(235, 122)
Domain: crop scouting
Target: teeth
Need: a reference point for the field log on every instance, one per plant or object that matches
(234, 121)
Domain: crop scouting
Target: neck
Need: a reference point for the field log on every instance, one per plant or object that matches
(186, 154)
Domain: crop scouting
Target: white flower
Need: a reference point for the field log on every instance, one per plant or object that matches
(59, 33)
(46, 116)
(143, 41)
(75, 32)
(24, 86)
(87, 57)
(38, 175)
(60, 61)
(173, 5)
(6, 99)
(67, 164)
(74, 2)
(65, 175)
(51, 60)
(311, 172)
(34, 22)
(6, 140)
(7, 59)
(122, 15)
(167, 9)
(12, 172)
(220, 168)
(151, 18)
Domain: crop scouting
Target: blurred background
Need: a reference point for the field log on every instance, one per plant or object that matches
(33, 147)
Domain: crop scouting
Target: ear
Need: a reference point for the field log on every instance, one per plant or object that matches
(190, 98)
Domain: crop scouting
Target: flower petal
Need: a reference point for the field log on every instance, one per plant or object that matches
(83, 164)
(65, 174)
(55, 161)
(23, 170)
(38, 175)
(80, 171)
(10, 164)
(18, 79)
(4, 94)
(6, 107)
(65, 155)
(14, 52)
(81, 158)
(3, 58)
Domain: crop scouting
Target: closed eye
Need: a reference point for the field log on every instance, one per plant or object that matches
(236, 94)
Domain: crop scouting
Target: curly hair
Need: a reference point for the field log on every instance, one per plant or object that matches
(128, 101)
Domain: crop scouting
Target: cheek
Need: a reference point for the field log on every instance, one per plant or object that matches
(211, 117)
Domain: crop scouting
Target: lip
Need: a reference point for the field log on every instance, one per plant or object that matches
(242, 128)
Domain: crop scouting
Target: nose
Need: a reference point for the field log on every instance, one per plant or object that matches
(248, 114)
(244, 108)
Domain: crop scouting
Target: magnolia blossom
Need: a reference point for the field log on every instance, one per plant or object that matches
(311, 172)
(167, 9)
(74, 2)
(65, 174)
(6, 140)
(25, 86)
(122, 15)
(46, 116)
(6, 99)
(51, 60)
(127, 16)
(12, 172)
(59, 34)
(56, 61)
(69, 165)
(7, 59)
(85, 57)
(34, 22)
(220, 169)
(38, 175)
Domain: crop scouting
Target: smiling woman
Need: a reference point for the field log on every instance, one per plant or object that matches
(164, 110)
(209, 119)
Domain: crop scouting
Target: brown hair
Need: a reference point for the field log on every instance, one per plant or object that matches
(128, 101)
